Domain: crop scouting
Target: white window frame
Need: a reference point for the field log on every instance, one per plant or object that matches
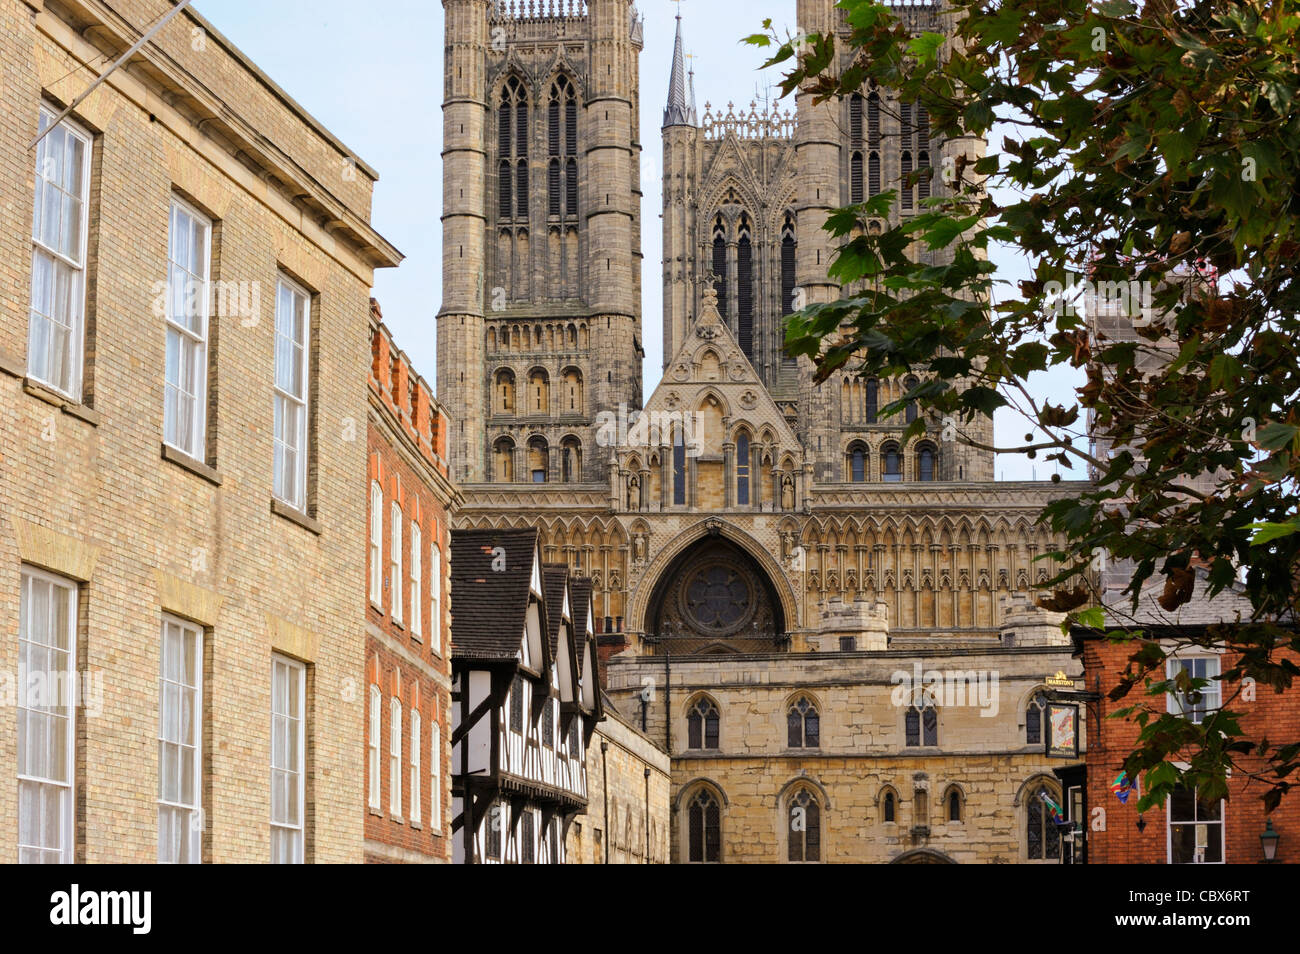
(395, 559)
(293, 775)
(376, 545)
(375, 734)
(417, 581)
(435, 775)
(190, 815)
(63, 789)
(291, 488)
(395, 757)
(1211, 695)
(1222, 823)
(435, 597)
(416, 740)
(197, 447)
(73, 359)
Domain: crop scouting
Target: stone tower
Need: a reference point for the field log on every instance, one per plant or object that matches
(746, 194)
(540, 328)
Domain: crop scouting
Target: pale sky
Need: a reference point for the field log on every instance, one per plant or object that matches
(373, 76)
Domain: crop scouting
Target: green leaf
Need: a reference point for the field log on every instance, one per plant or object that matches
(1268, 532)
(1094, 618)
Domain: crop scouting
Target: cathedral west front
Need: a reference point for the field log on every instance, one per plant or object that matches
(770, 558)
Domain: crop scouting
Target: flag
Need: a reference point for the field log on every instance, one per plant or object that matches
(1123, 786)
(1054, 808)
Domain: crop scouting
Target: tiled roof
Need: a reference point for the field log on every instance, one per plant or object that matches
(489, 606)
(554, 577)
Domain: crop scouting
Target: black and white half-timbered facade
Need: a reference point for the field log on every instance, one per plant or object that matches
(525, 698)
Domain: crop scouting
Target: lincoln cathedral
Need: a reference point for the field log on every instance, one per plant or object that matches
(760, 569)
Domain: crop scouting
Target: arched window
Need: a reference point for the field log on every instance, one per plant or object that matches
(1034, 713)
(805, 827)
(503, 392)
(570, 459)
(952, 804)
(789, 251)
(872, 400)
(512, 149)
(679, 467)
(720, 264)
(572, 391)
(891, 463)
(376, 544)
(745, 289)
(925, 462)
(554, 188)
(704, 828)
(855, 178)
(889, 807)
(702, 725)
(803, 725)
(538, 463)
(1041, 837)
(503, 460)
(857, 462)
(742, 469)
(539, 391)
(921, 726)
(909, 385)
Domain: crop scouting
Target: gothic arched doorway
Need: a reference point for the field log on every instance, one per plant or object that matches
(715, 598)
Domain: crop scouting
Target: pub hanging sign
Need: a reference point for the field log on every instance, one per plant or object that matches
(1062, 730)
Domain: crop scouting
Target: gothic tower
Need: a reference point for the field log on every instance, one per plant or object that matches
(745, 198)
(540, 328)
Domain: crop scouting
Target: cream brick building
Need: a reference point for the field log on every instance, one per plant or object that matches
(182, 514)
(765, 553)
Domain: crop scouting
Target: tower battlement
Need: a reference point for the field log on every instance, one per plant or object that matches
(751, 125)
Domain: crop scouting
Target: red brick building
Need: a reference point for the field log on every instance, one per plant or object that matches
(407, 685)
(1183, 831)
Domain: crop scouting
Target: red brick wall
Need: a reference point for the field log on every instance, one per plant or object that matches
(1276, 716)
(406, 424)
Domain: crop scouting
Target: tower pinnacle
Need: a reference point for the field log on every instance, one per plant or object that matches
(679, 111)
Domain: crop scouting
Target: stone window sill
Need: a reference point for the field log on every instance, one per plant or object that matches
(62, 402)
(186, 462)
(282, 509)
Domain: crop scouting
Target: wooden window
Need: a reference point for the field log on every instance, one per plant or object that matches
(416, 772)
(47, 639)
(288, 759)
(527, 838)
(185, 401)
(395, 756)
(374, 734)
(435, 776)
(395, 559)
(848, 644)
(180, 742)
(435, 598)
(417, 580)
(548, 724)
(517, 705)
(376, 544)
(1195, 829)
(292, 333)
(56, 323)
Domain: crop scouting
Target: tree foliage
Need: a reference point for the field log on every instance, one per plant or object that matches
(1156, 143)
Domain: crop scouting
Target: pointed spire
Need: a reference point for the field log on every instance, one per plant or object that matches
(678, 111)
(690, 90)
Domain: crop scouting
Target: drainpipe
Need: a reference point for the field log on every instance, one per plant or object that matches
(647, 815)
(668, 711)
(604, 784)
